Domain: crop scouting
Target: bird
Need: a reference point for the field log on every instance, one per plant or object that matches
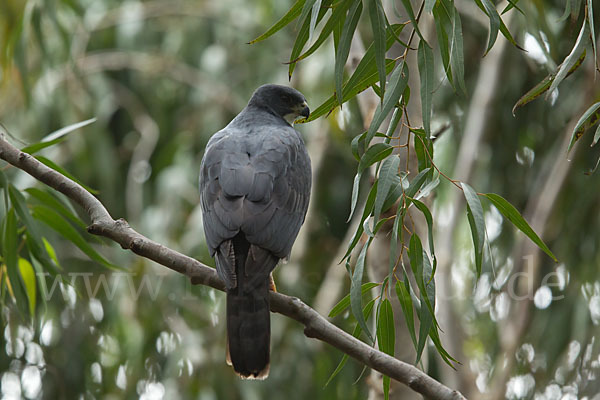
(255, 184)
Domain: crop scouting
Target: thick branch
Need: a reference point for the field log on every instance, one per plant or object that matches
(315, 325)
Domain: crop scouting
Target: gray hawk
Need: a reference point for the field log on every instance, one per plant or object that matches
(255, 181)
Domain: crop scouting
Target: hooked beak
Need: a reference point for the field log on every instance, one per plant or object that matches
(305, 111)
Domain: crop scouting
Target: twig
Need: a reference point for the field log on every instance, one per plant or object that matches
(315, 326)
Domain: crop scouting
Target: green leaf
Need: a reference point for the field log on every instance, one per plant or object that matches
(338, 14)
(571, 59)
(345, 302)
(457, 57)
(398, 82)
(411, 16)
(10, 244)
(511, 213)
(378, 25)
(596, 136)
(513, 4)
(56, 222)
(51, 201)
(343, 50)
(426, 313)
(544, 85)
(62, 171)
(356, 290)
(590, 19)
(425, 62)
(386, 336)
(375, 153)
(429, 219)
(387, 175)
(56, 136)
(291, 15)
(423, 149)
(429, 5)
(417, 182)
(403, 293)
(366, 212)
(442, 20)
(578, 131)
(364, 76)
(28, 276)
(356, 333)
(476, 222)
(494, 17)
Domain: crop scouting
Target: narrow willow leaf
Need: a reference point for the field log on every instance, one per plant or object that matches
(378, 26)
(396, 232)
(403, 293)
(544, 85)
(20, 205)
(56, 136)
(356, 333)
(429, 219)
(435, 338)
(366, 213)
(308, 8)
(51, 164)
(442, 20)
(375, 153)
(423, 149)
(425, 62)
(513, 4)
(338, 14)
(457, 57)
(56, 222)
(426, 313)
(386, 336)
(491, 11)
(590, 19)
(313, 18)
(411, 16)
(571, 59)
(429, 5)
(343, 50)
(398, 82)
(417, 182)
(476, 222)
(302, 38)
(385, 328)
(417, 264)
(291, 15)
(356, 290)
(396, 190)
(364, 76)
(511, 213)
(596, 136)
(52, 202)
(578, 131)
(494, 17)
(345, 302)
(28, 276)
(387, 175)
(10, 244)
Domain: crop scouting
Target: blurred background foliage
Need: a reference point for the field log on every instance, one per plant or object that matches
(162, 76)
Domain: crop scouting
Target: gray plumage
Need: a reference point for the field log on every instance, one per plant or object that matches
(255, 182)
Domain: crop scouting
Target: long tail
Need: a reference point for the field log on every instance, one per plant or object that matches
(248, 316)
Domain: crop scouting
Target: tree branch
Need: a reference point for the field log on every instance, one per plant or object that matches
(315, 326)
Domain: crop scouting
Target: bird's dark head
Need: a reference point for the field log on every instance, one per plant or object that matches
(284, 101)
